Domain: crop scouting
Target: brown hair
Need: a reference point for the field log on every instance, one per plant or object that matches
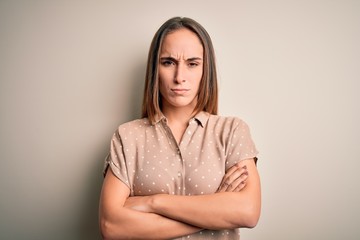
(208, 91)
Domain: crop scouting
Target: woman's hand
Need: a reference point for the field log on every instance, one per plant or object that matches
(235, 178)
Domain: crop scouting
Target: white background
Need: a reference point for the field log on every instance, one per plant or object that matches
(72, 71)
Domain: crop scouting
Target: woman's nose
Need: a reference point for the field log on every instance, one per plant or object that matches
(180, 74)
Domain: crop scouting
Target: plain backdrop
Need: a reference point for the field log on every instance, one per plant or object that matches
(72, 71)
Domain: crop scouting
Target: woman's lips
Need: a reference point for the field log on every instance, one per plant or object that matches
(180, 90)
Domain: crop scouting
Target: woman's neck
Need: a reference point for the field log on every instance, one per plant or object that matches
(178, 116)
(178, 120)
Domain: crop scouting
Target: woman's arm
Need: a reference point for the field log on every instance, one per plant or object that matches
(118, 222)
(222, 210)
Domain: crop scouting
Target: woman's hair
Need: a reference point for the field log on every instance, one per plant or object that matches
(208, 90)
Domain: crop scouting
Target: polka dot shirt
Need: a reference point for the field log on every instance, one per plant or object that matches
(147, 158)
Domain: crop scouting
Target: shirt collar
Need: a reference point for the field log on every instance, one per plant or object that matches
(158, 117)
(201, 118)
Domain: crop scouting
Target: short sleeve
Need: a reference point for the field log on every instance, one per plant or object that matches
(241, 145)
(116, 160)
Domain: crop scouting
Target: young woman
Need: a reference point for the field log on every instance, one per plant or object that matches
(181, 171)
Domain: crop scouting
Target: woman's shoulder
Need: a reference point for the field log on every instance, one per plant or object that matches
(134, 125)
(230, 121)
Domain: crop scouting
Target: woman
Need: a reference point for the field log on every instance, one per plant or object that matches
(181, 171)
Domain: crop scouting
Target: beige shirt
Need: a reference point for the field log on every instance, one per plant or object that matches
(147, 158)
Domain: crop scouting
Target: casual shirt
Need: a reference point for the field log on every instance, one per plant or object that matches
(147, 158)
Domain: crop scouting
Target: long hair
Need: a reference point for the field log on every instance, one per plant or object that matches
(208, 90)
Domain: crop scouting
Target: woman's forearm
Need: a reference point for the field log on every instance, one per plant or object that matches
(130, 224)
(216, 211)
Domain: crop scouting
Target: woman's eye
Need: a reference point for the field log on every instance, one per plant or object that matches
(167, 63)
(193, 64)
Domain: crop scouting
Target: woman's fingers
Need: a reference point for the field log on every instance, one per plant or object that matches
(238, 183)
(234, 179)
(234, 173)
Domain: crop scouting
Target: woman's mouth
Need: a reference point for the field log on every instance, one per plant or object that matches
(179, 91)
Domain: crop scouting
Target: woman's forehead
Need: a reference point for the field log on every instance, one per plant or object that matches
(182, 42)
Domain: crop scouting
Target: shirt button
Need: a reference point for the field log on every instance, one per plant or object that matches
(179, 174)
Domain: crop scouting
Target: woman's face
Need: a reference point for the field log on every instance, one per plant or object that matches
(180, 69)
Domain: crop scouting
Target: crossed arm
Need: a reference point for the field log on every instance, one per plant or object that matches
(163, 216)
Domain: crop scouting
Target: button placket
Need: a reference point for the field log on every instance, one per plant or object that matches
(189, 131)
(174, 145)
(181, 172)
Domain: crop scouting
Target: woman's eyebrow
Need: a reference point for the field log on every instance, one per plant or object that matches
(194, 59)
(168, 58)
(175, 60)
